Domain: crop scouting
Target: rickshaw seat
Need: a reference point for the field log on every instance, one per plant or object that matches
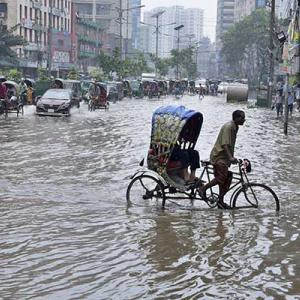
(174, 165)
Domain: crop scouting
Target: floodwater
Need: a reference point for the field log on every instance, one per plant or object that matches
(66, 232)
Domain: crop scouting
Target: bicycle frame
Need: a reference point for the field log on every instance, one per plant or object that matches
(239, 179)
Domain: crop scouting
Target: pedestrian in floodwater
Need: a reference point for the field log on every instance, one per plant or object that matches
(279, 103)
(290, 100)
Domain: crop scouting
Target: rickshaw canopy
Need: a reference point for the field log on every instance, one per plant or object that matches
(172, 125)
(168, 123)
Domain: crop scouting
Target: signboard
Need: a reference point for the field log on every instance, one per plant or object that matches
(61, 57)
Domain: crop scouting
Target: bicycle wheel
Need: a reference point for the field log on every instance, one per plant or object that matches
(255, 195)
(145, 190)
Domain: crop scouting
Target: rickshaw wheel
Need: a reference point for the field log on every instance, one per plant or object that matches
(145, 190)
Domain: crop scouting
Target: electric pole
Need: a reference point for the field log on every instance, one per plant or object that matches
(50, 39)
(178, 43)
(271, 55)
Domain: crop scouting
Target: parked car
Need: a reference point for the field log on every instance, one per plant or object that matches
(55, 102)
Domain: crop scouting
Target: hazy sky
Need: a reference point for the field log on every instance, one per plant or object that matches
(209, 6)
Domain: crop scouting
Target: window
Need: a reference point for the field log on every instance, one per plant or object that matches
(45, 19)
(21, 15)
(30, 35)
(25, 12)
(30, 13)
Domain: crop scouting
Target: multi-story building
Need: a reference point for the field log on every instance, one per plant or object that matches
(135, 20)
(88, 37)
(192, 19)
(107, 13)
(244, 8)
(225, 19)
(46, 26)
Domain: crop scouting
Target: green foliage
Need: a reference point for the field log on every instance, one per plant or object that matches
(162, 65)
(8, 40)
(42, 74)
(123, 68)
(14, 75)
(97, 74)
(185, 60)
(73, 74)
(245, 46)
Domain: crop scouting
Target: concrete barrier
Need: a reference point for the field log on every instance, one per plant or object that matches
(237, 93)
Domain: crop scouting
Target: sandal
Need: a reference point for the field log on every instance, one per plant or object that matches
(223, 205)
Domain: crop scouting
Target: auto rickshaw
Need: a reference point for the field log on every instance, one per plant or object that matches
(137, 89)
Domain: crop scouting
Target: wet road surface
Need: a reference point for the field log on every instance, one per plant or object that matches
(66, 231)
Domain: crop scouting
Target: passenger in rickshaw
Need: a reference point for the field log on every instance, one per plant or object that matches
(186, 158)
(3, 91)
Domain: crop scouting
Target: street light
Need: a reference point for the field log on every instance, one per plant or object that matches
(157, 31)
(157, 15)
(120, 19)
(178, 28)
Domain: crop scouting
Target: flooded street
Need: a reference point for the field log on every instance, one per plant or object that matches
(66, 231)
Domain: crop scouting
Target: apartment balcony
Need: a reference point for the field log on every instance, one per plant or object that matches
(92, 24)
(88, 40)
(85, 54)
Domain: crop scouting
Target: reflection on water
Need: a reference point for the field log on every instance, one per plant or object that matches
(66, 232)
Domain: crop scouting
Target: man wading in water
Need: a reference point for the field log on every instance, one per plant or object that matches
(222, 156)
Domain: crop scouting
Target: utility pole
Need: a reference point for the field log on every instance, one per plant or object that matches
(50, 39)
(120, 29)
(157, 26)
(120, 20)
(271, 56)
(178, 42)
(157, 15)
(286, 109)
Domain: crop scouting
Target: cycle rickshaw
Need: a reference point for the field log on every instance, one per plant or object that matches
(158, 183)
(13, 103)
(98, 97)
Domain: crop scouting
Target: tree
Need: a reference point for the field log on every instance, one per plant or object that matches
(42, 74)
(245, 46)
(162, 65)
(185, 60)
(73, 74)
(123, 68)
(8, 40)
(97, 74)
(14, 75)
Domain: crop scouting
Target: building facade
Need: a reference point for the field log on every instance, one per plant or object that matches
(225, 19)
(88, 38)
(107, 14)
(46, 26)
(135, 21)
(192, 19)
(244, 8)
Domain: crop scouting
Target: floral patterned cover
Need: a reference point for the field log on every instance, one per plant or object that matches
(167, 124)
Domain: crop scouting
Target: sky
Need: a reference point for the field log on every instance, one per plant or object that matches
(209, 6)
